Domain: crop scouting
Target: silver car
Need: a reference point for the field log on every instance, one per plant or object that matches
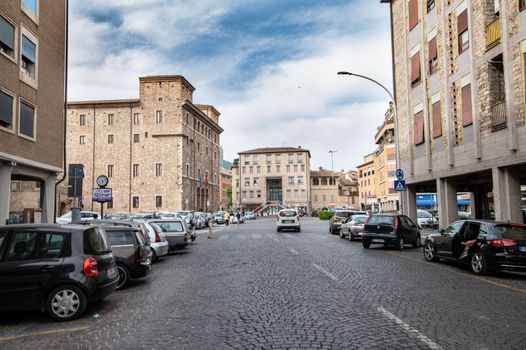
(158, 241)
(174, 230)
(288, 219)
(353, 227)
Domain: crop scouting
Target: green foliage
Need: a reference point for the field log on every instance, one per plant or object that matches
(229, 196)
(325, 215)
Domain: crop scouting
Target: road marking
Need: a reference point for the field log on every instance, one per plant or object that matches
(53, 331)
(482, 279)
(274, 238)
(293, 251)
(325, 272)
(411, 330)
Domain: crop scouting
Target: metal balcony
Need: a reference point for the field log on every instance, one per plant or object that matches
(498, 116)
(493, 34)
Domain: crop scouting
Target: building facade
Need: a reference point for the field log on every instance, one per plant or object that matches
(265, 176)
(32, 71)
(336, 189)
(460, 90)
(225, 185)
(366, 182)
(160, 151)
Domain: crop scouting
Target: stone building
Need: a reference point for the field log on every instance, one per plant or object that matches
(160, 151)
(32, 71)
(337, 189)
(225, 183)
(264, 179)
(366, 183)
(459, 86)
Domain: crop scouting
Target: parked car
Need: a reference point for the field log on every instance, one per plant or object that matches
(158, 242)
(126, 223)
(288, 219)
(133, 256)
(233, 219)
(202, 220)
(57, 268)
(426, 219)
(390, 230)
(335, 222)
(498, 246)
(167, 215)
(250, 215)
(120, 215)
(219, 217)
(141, 216)
(353, 227)
(84, 216)
(175, 230)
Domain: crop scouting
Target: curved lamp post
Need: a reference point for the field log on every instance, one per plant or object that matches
(395, 116)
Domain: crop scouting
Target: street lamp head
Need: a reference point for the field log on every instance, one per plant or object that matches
(345, 73)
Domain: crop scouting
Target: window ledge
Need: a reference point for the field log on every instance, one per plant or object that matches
(30, 14)
(12, 59)
(32, 139)
(9, 131)
(28, 80)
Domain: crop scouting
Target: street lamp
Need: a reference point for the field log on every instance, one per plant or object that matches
(395, 108)
(332, 165)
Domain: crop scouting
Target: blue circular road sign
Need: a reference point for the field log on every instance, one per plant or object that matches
(399, 174)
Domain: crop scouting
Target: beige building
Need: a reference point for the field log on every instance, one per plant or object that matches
(334, 189)
(266, 178)
(460, 89)
(385, 165)
(160, 151)
(225, 182)
(366, 183)
(32, 71)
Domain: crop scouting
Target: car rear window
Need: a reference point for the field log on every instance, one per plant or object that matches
(381, 220)
(343, 214)
(169, 226)
(510, 231)
(360, 219)
(423, 214)
(288, 213)
(96, 242)
(120, 237)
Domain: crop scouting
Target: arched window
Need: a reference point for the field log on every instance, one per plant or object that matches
(315, 181)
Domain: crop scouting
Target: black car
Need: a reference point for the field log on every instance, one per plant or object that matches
(485, 245)
(58, 268)
(390, 230)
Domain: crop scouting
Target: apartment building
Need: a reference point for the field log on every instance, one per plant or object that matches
(336, 189)
(460, 88)
(225, 183)
(366, 183)
(263, 176)
(160, 151)
(32, 71)
(385, 164)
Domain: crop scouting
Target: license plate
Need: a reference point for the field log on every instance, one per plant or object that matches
(522, 248)
(376, 240)
(288, 222)
(112, 272)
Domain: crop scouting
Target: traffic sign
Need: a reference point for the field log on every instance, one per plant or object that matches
(399, 174)
(102, 195)
(399, 185)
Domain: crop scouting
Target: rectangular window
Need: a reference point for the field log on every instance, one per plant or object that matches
(251, 194)
(296, 193)
(251, 169)
(247, 181)
(244, 194)
(6, 110)
(291, 180)
(413, 13)
(291, 158)
(256, 181)
(28, 61)
(158, 169)
(467, 115)
(437, 120)
(300, 180)
(31, 6)
(158, 201)
(7, 38)
(269, 159)
(278, 158)
(299, 157)
(463, 32)
(433, 59)
(27, 120)
(110, 170)
(136, 119)
(82, 140)
(135, 170)
(136, 138)
(82, 120)
(430, 5)
(419, 128)
(111, 119)
(269, 168)
(303, 167)
(135, 202)
(288, 168)
(187, 169)
(315, 197)
(159, 117)
(324, 198)
(415, 69)
(258, 169)
(111, 138)
(278, 168)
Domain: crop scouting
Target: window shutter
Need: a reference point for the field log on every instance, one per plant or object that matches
(6, 108)
(437, 120)
(462, 22)
(415, 68)
(29, 49)
(27, 118)
(419, 128)
(7, 33)
(467, 116)
(433, 48)
(413, 13)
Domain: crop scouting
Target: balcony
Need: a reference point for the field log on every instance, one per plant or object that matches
(498, 116)
(493, 34)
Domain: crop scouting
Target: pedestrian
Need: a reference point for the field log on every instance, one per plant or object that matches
(227, 218)
(238, 216)
(193, 222)
(210, 219)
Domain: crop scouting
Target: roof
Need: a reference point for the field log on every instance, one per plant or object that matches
(65, 227)
(126, 102)
(314, 173)
(216, 112)
(275, 150)
(157, 78)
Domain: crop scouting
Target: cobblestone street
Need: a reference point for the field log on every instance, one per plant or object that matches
(253, 288)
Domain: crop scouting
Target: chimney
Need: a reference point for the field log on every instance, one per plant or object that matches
(299, 147)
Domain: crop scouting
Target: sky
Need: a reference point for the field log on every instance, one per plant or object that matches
(269, 66)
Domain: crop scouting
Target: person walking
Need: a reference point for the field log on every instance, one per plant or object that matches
(238, 216)
(210, 219)
(193, 222)
(227, 218)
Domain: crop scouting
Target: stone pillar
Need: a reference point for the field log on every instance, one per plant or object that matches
(409, 198)
(473, 205)
(48, 199)
(5, 191)
(507, 194)
(447, 201)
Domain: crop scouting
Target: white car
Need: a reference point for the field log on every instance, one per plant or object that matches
(84, 216)
(288, 219)
(158, 242)
(426, 219)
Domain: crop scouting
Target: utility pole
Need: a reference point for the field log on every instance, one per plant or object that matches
(332, 165)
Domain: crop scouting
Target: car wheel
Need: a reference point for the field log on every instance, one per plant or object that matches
(478, 264)
(418, 242)
(124, 276)
(278, 230)
(66, 303)
(351, 236)
(366, 245)
(429, 252)
(154, 256)
(400, 244)
(341, 234)
(330, 229)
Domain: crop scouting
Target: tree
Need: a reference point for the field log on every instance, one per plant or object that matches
(229, 196)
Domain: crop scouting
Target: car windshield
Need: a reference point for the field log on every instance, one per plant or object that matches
(511, 231)
(96, 242)
(381, 220)
(169, 226)
(288, 213)
(422, 214)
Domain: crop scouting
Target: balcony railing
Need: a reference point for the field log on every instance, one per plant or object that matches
(493, 34)
(498, 116)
